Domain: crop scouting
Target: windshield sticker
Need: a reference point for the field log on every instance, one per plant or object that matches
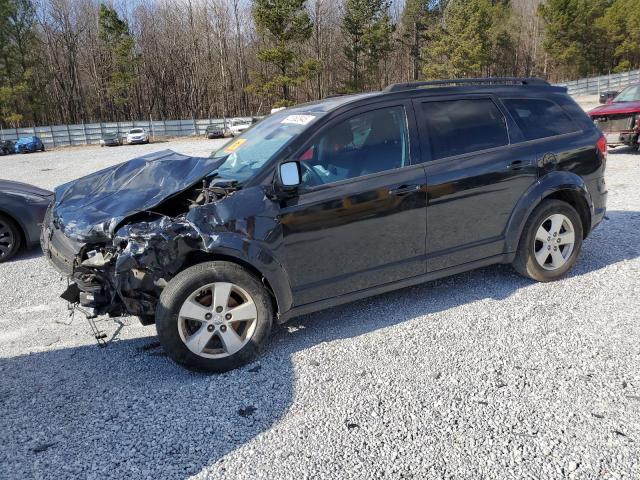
(299, 119)
(235, 145)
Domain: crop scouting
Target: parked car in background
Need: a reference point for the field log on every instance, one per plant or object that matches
(28, 145)
(237, 125)
(214, 131)
(619, 120)
(110, 139)
(137, 135)
(7, 147)
(22, 209)
(330, 202)
(605, 97)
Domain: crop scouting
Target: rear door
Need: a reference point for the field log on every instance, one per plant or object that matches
(359, 220)
(475, 176)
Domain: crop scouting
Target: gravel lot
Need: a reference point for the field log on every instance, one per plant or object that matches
(482, 375)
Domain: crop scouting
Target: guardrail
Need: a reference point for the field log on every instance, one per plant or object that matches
(595, 85)
(91, 133)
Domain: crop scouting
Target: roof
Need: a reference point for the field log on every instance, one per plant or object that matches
(434, 87)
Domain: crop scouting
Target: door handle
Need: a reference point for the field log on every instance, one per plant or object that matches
(404, 189)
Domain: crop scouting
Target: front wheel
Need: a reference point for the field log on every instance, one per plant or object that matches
(550, 242)
(214, 317)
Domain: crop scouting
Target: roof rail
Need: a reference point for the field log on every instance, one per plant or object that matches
(396, 87)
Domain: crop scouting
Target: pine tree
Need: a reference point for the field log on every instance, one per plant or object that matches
(285, 25)
(574, 38)
(120, 65)
(18, 98)
(472, 40)
(418, 17)
(368, 30)
(621, 22)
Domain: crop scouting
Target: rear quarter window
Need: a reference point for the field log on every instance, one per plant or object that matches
(538, 118)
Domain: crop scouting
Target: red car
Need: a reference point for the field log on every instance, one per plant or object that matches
(619, 119)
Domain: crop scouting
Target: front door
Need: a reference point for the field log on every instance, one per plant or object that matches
(359, 220)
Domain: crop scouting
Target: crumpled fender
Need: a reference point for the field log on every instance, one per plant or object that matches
(223, 229)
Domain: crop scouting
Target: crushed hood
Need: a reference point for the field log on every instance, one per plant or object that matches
(88, 209)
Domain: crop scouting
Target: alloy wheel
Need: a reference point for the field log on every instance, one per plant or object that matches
(554, 241)
(217, 320)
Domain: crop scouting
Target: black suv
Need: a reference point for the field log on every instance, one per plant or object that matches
(329, 202)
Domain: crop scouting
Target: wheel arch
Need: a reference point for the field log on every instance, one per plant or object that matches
(565, 186)
(271, 273)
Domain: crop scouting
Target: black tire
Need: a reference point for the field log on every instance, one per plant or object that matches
(526, 263)
(190, 280)
(42, 149)
(10, 238)
(146, 319)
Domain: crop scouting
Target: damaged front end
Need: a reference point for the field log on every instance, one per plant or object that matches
(619, 129)
(121, 234)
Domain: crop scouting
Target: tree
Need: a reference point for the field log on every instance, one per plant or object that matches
(621, 22)
(367, 28)
(285, 24)
(417, 18)
(120, 61)
(18, 101)
(472, 40)
(574, 39)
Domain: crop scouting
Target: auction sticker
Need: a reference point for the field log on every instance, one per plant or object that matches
(235, 145)
(299, 119)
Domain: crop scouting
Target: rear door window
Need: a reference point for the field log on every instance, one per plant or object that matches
(539, 118)
(456, 127)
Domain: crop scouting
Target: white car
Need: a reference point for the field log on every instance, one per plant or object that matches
(237, 125)
(137, 135)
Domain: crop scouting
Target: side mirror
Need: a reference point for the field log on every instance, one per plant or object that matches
(289, 175)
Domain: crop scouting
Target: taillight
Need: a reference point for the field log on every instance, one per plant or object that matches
(602, 146)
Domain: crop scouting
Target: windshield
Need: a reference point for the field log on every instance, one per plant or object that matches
(248, 152)
(629, 94)
(136, 130)
(239, 122)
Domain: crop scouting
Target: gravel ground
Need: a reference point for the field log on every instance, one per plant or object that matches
(481, 375)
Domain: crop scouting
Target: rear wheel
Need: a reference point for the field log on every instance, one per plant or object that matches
(550, 242)
(214, 317)
(9, 238)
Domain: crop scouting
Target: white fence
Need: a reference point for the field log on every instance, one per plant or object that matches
(91, 133)
(595, 85)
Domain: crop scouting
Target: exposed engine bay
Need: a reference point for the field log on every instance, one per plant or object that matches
(619, 129)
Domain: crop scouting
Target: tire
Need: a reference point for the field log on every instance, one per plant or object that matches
(561, 223)
(195, 286)
(10, 238)
(146, 319)
(42, 149)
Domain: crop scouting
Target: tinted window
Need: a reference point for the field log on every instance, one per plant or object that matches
(539, 118)
(367, 143)
(463, 126)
